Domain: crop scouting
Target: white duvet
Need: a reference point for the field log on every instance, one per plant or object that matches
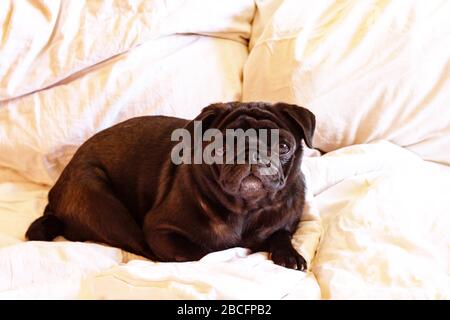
(376, 226)
(369, 70)
(377, 217)
(87, 65)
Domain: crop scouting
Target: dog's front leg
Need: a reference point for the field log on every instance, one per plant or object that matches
(170, 246)
(282, 252)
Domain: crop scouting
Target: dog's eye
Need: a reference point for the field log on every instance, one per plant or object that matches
(284, 148)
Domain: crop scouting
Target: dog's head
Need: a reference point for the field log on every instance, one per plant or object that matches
(251, 149)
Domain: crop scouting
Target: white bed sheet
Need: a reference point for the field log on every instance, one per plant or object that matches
(368, 70)
(377, 215)
(87, 65)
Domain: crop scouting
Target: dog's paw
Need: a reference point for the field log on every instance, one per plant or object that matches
(289, 258)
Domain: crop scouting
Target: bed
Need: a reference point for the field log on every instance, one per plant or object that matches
(375, 73)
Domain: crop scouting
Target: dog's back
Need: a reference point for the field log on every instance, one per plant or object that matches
(126, 162)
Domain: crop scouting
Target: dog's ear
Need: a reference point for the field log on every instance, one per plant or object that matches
(209, 115)
(303, 118)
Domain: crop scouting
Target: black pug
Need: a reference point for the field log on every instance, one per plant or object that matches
(121, 188)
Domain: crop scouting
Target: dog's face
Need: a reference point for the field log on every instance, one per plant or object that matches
(261, 146)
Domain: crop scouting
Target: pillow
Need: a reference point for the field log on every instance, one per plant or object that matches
(68, 36)
(263, 13)
(176, 69)
(369, 70)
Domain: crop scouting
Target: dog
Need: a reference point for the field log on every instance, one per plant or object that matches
(123, 189)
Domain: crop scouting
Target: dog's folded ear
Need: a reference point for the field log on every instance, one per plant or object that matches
(303, 119)
(209, 115)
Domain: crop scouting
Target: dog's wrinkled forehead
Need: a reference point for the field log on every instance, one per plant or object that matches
(245, 115)
(297, 120)
(256, 117)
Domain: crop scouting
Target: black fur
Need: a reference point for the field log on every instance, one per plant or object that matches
(122, 189)
(45, 228)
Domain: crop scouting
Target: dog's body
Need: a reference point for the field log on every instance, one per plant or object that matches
(121, 188)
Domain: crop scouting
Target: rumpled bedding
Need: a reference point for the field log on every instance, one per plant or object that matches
(375, 226)
(377, 215)
(369, 70)
(86, 65)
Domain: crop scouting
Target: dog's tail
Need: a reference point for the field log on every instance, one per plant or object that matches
(45, 228)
